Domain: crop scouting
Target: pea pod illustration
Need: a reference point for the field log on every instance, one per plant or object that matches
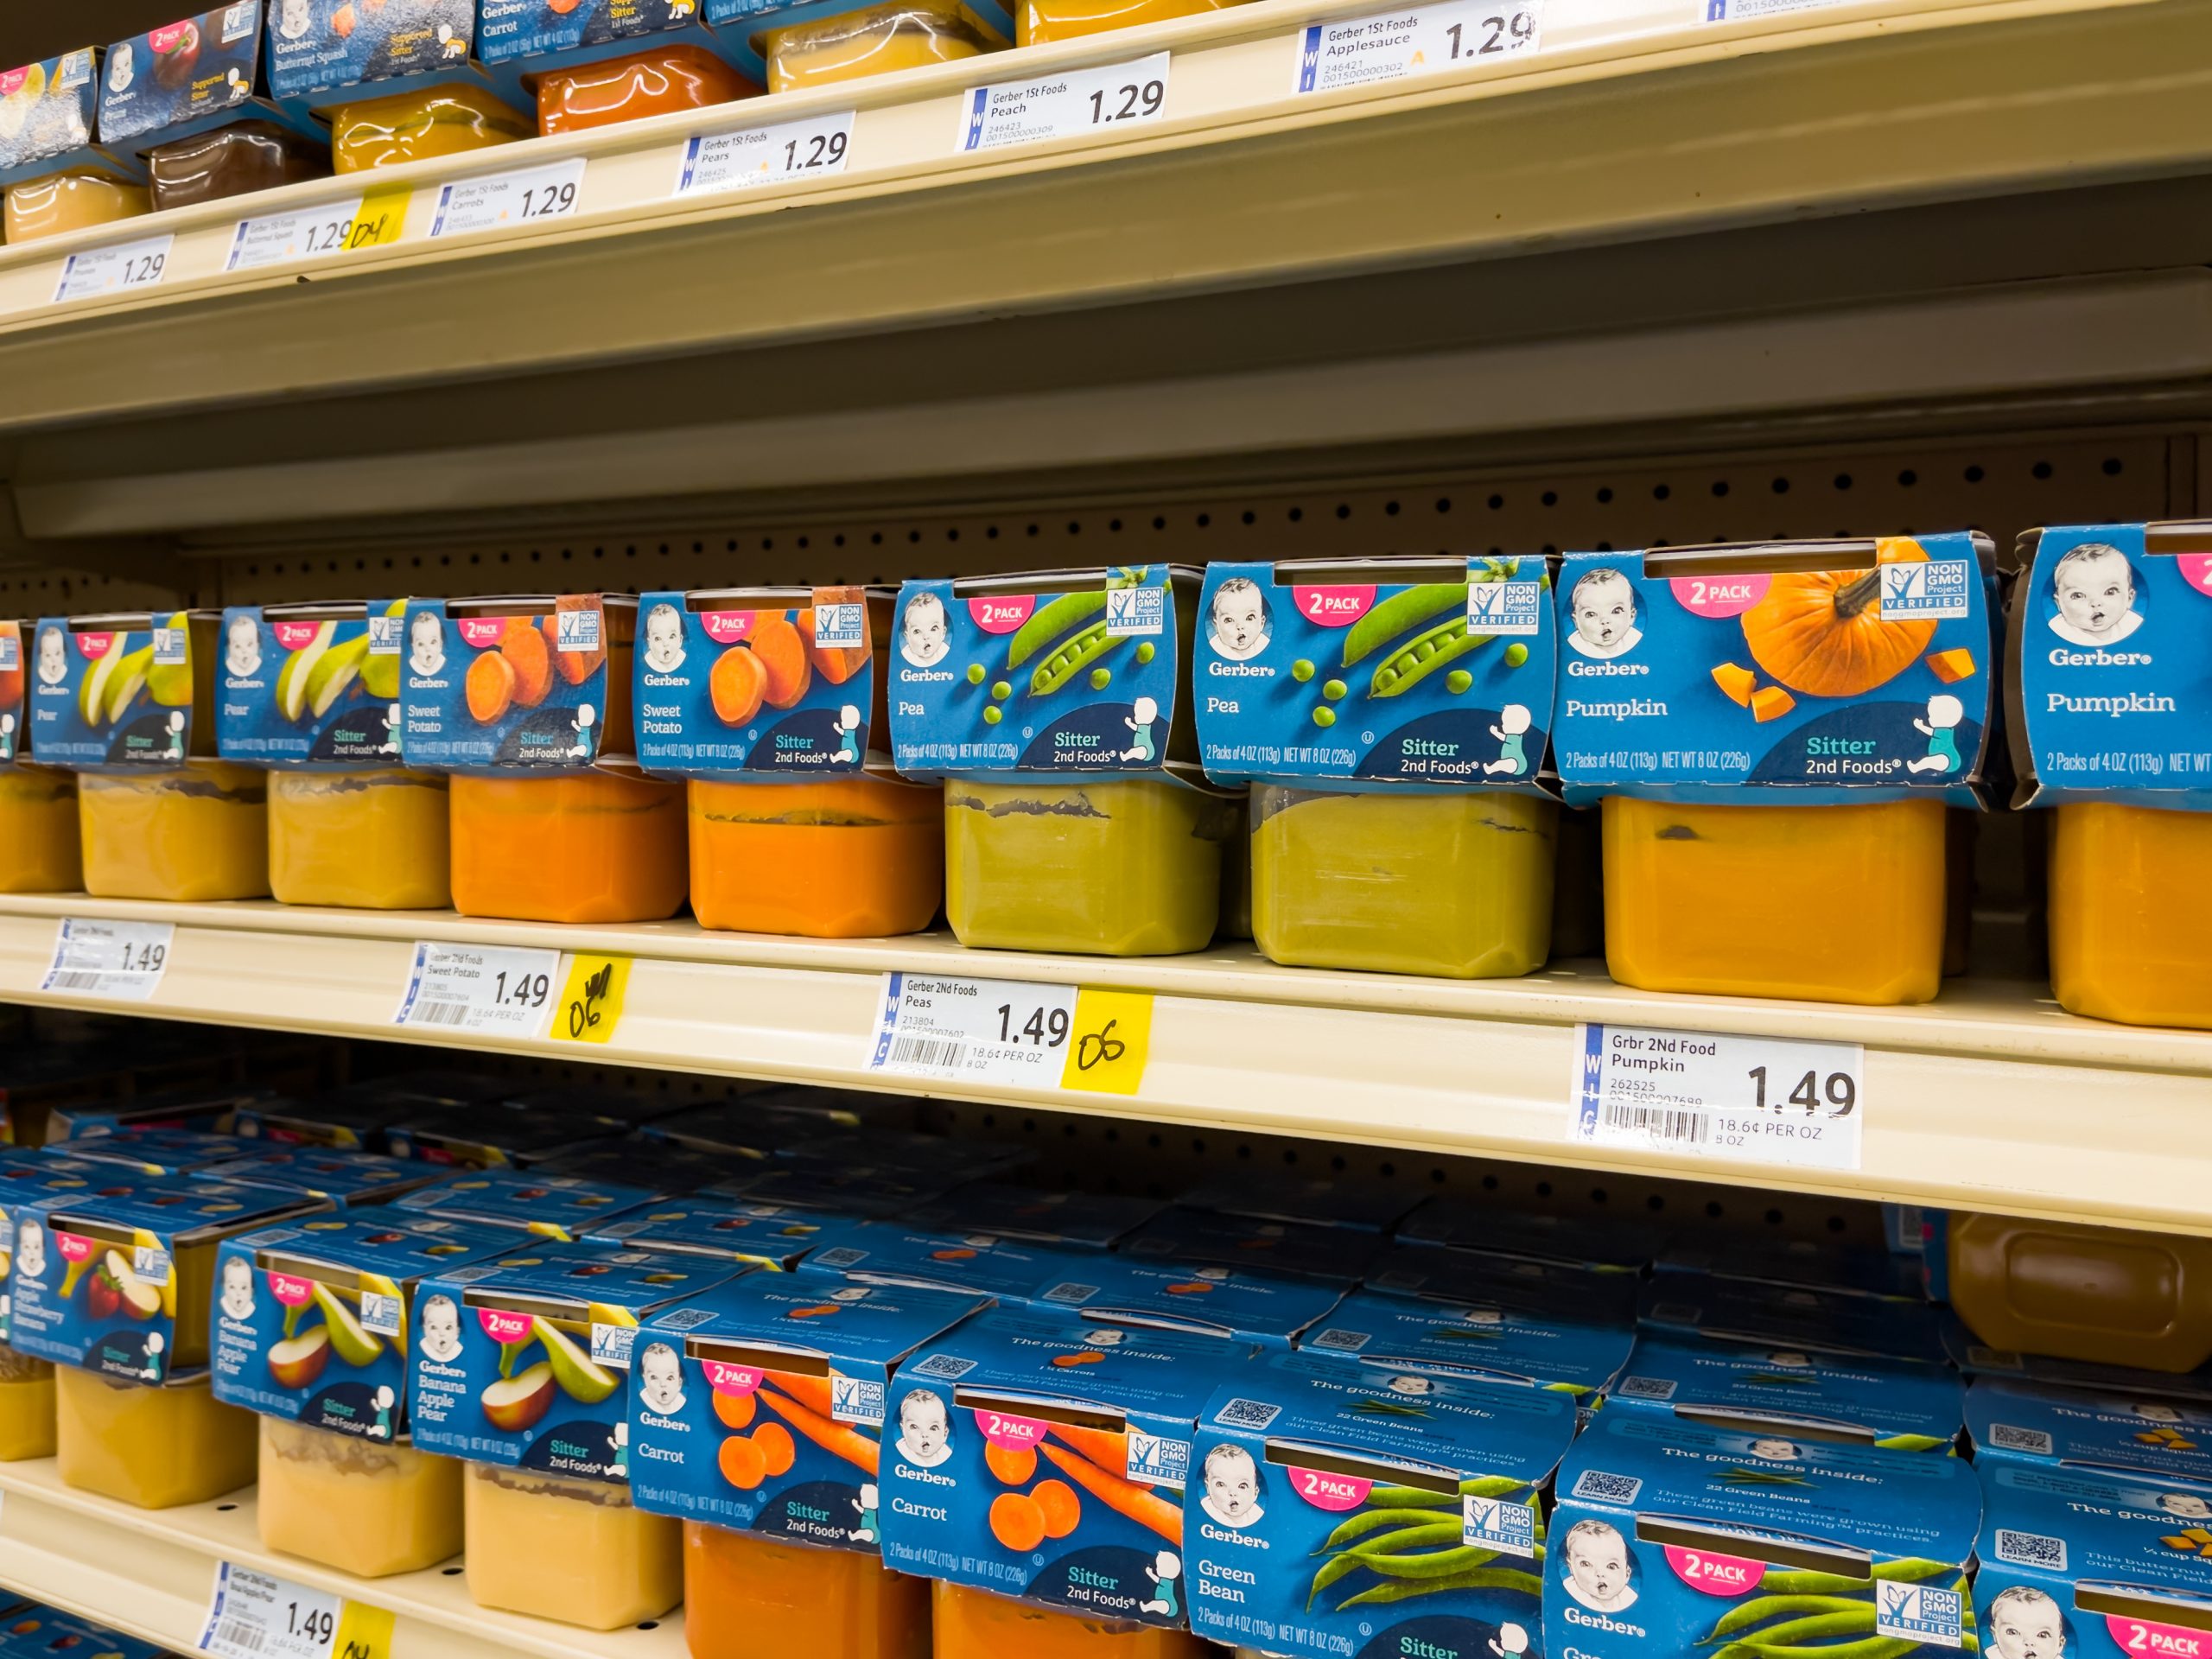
(1071, 658)
(1418, 658)
(1400, 612)
(1874, 1647)
(1911, 1569)
(1760, 1609)
(1051, 621)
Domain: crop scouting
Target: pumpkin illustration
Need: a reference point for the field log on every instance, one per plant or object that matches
(1822, 633)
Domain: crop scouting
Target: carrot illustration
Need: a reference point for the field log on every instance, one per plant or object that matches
(812, 1392)
(833, 1438)
(1125, 1496)
(1107, 1448)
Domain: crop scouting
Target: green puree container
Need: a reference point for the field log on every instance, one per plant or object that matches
(1456, 886)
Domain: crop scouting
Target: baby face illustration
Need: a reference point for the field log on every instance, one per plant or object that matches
(1240, 621)
(426, 643)
(1597, 1566)
(2025, 1624)
(295, 20)
(664, 638)
(122, 68)
(1603, 605)
(2152, 1411)
(1416, 1385)
(924, 1436)
(2186, 1506)
(1788, 1359)
(2095, 591)
(243, 656)
(237, 1289)
(921, 637)
(53, 657)
(1232, 1486)
(441, 1328)
(30, 1249)
(1774, 1448)
(660, 1380)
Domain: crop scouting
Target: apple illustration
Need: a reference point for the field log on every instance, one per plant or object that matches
(296, 1364)
(141, 1300)
(519, 1403)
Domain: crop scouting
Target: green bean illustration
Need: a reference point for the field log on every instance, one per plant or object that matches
(1071, 658)
(1487, 1577)
(1369, 1521)
(1911, 1442)
(1759, 1608)
(1417, 659)
(1377, 1552)
(1419, 1497)
(1051, 621)
(1400, 612)
(1438, 1564)
(1873, 1647)
(1910, 1570)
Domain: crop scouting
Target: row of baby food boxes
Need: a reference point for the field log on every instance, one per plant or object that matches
(1090, 1449)
(1078, 761)
(28, 1631)
(260, 93)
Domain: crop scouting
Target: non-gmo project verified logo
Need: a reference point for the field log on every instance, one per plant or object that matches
(856, 1400)
(1158, 1461)
(1496, 607)
(1135, 610)
(1926, 588)
(840, 625)
(1493, 1524)
(1919, 1612)
(578, 631)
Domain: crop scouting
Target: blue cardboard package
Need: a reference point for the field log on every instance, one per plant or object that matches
(558, 1207)
(2132, 1434)
(1900, 1405)
(1557, 1352)
(1269, 1310)
(1016, 1272)
(1335, 1255)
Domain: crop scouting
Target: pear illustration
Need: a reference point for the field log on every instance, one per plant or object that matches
(112, 681)
(356, 1347)
(581, 1377)
(380, 674)
(170, 683)
(315, 676)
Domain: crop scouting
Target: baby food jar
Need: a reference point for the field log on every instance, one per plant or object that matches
(903, 35)
(151, 1448)
(576, 1551)
(569, 847)
(2097, 1294)
(977, 1624)
(1039, 20)
(744, 1595)
(359, 840)
(355, 1504)
(38, 852)
(191, 834)
(71, 202)
(415, 126)
(1458, 886)
(26, 1407)
(233, 161)
(2131, 914)
(859, 858)
(1720, 900)
(1125, 866)
(658, 82)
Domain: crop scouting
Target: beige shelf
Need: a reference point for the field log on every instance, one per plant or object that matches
(151, 1573)
(1991, 1098)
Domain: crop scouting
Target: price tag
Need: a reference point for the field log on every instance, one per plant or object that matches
(1012, 1032)
(376, 220)
(121, 960)
(114, 270)
(521, 197)
(481, 987)
(254, 1615)
(1391, 45)
(590, 1004)
(1054, 106)
(813, 148)
(1758, 1100)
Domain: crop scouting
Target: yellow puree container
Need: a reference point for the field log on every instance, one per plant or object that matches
(151, 1448)
(2131, 914)
(375, 840)
(39, 851)
(26, 1407)
(194, 833)
(356, 1504)
(414, 126)
(576, 1551)
(875, 40)
(71, 202)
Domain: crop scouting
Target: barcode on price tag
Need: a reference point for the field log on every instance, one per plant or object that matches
(1012, 1032)
(1390, 45)
(1055, 106)
(115, 270)
(1762, 1100)
(481, 987)
(814, 147)
(528, 195)
(257, 1616)
(121, 960)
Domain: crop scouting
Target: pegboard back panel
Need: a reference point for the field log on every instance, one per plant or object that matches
(44, 590)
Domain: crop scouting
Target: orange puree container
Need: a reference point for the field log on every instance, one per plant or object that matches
(658, 82)
(859, 858)
(744, 1595)
(39, 850)
(2131, 914)
(568, 846)
(2096, 1294)
(977, 1624)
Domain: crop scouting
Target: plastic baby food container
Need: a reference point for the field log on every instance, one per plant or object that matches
(525, 703)
(1391, 716)
(1774, 730)
(57, 179)
(1039, 20)
(311, 692)
(1056, 707)
(846, 44)
(190, 99)
(38, 808)
(765, 699)
(2112, 698)
(123, 701)
(594, 66)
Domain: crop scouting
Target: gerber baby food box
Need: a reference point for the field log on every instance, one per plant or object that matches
(116, 693)
(12, 734)
(2092, 1564)
(189, 77)
(1671, 1537)
(1313, 1200)
(2157, 1439)
(158, 1152)
(310, 685)
(2114, 683)
(1336, 1255)
(1333, 1510)
(762, 1407)
(1015, 1271)
(483, 1394)
(1864, 1269)
(761, 685)
(323, 46)
(1605, 1243)
(1798, 1392)
(1483, 1341)
(1064, 672)
(776, 1239)
(1378, 672)
(26, 1175)
(1082, 1220)
(346, 1179)
(558, 1207)
(1734, 1310)
(312, 1319)
(120, 1280)
(564, 33)
(1047, 1460)
(1263, 1309)
(1837, 672)
(535, 681)
(48, 110)
(1442, 1274)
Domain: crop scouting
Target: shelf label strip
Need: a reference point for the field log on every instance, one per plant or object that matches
(1056, 106)
(528, 195)
(548, 995)
(814, 147)
(121, 267)
(1012, 1033)
(254, 1615)
(121, 961)
(1391, 45)
(1753, 1100)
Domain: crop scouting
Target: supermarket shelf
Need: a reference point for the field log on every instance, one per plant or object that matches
(151, 1573)
(1992, 1098)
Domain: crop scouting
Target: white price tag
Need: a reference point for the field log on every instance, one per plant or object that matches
(121, 960)
(481, 987)
(1055, 106)
(115, 270)
(1756, 1100)
(1390, 45)
(1723, 11)
(1000, 1031)
(304, 233)
(524, 196)
(813, 148)
(256, 1616)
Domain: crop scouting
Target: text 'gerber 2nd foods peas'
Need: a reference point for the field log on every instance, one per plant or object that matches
(1768, 726)
(2111, 631)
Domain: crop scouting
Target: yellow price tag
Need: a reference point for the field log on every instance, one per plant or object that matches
(1108, 1042)
(363, 1633)
(590, 1004)
(382, 220)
